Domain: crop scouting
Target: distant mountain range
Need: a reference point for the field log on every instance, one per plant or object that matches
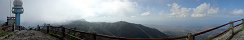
(172, 30)
(120, 29)
(175, 30)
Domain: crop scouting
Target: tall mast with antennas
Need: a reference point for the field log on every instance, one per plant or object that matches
(10, 5)
(17, 10)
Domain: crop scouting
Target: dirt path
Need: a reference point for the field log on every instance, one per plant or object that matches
(30, 35)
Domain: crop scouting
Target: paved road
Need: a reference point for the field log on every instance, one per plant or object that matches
(30, 35)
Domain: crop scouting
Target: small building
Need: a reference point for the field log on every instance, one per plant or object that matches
(8, 26)
(10, 21)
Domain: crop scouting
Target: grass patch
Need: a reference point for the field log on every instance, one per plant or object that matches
(5, 34)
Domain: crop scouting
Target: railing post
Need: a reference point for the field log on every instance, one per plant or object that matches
(242, 22)
(48, 29)
(190, 36)
(63, 33)
(232, 27)
(93, 36)
(13, 27)
(38, 28)
(19, 28)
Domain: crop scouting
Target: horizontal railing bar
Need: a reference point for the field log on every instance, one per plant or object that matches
(210, 29)
(237, 20)
(222, 33)
(54, 27)
(146, 39)
(73, 36)
(238, 24)
(107, 36)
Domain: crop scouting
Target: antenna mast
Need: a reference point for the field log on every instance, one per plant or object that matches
(10, 8)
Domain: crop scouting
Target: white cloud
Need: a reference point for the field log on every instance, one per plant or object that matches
(65, 10)
(202, 10)
(146, 13)
(115, 8)
(177, 10)
(238, 12)
(132, 16)
(213, 10)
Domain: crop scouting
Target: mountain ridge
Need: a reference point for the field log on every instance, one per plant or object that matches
(120, 29)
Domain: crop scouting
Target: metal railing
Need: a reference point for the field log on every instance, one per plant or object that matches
(66, 33)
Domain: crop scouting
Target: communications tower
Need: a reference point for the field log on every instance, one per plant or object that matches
(17, 10)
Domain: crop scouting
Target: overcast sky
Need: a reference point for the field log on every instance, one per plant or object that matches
(160, 12)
